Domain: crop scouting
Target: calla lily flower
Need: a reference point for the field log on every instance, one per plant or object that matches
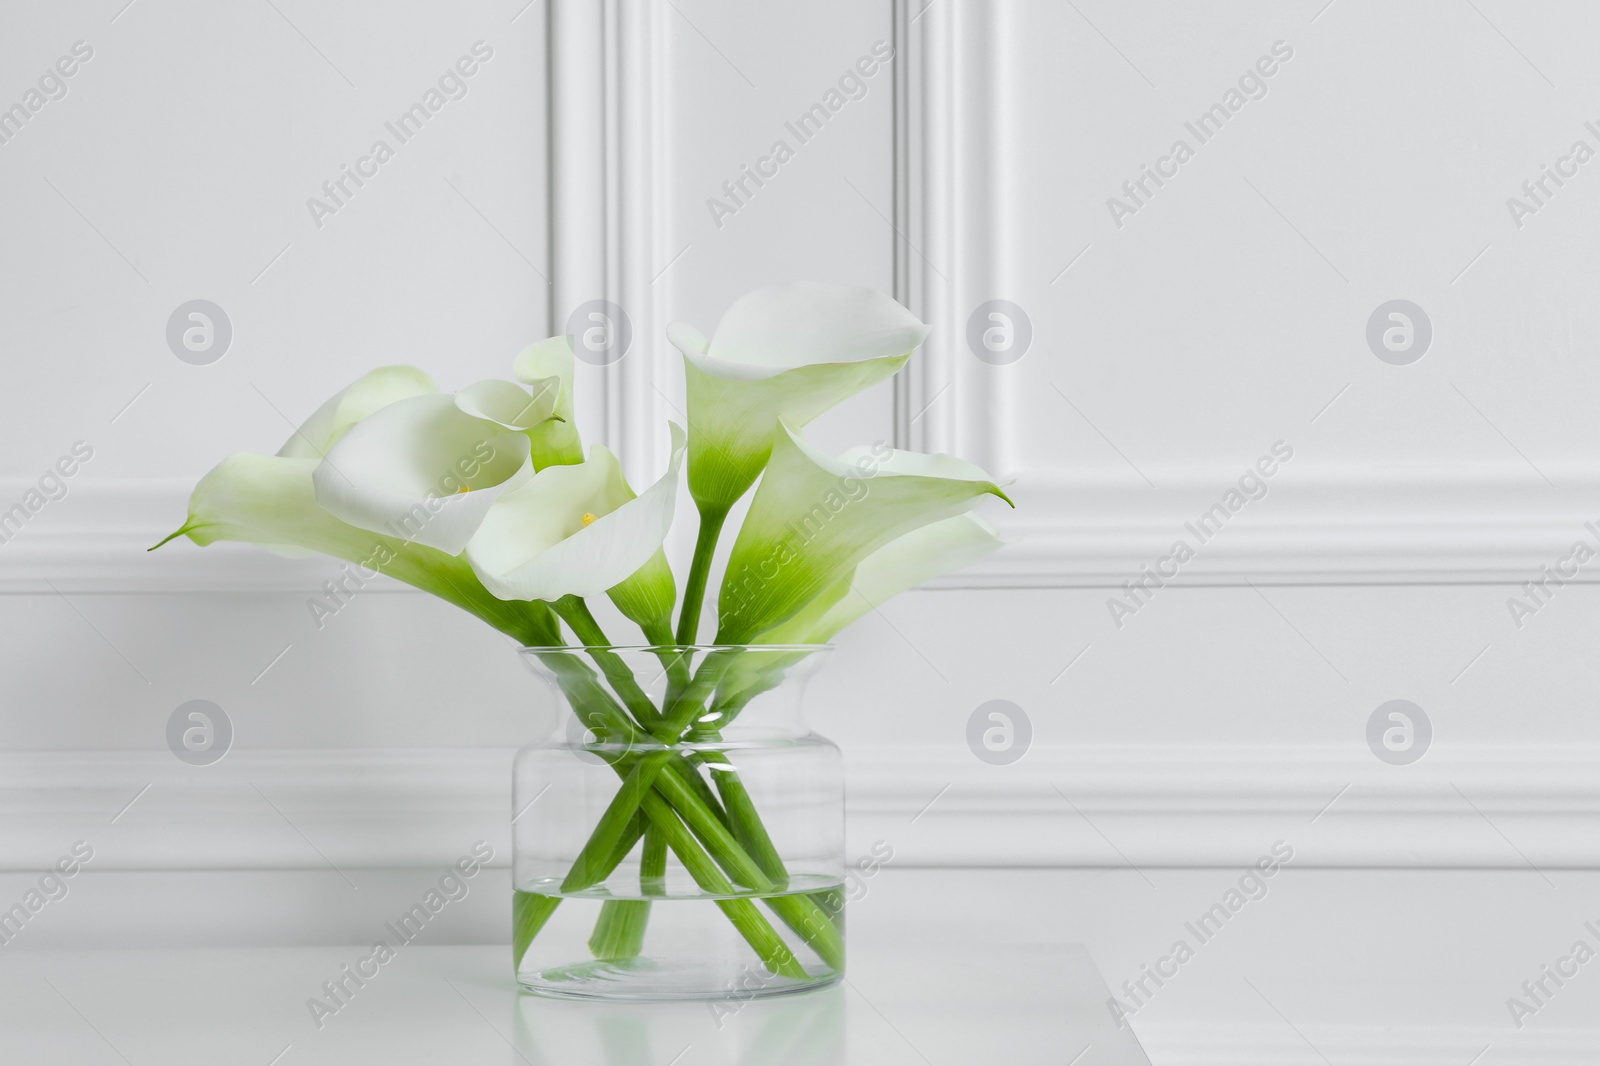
(422, 469)
(556, 442)
(486, 499)
(788, 352)
(270, 501)
(509, 404)
(376, 389)
(579, 530)
(904, 563)
(267, 500)
(901, 565)
(814, 518)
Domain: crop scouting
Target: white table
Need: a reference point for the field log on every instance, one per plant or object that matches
(207, 1006)
(1352, 967)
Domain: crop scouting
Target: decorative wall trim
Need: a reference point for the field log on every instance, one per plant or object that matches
(1090, 529)
(608, 97)
(96, 540)
(1314, 526)
(609, 101)
(1324, 526)
(950, 126)
(1098, 806)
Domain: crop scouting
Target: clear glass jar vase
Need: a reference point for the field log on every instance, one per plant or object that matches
(679, 832)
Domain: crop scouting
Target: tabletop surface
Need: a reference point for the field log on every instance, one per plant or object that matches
(458, 1005)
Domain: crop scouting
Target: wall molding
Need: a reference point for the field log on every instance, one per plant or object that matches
(950, 129)
(96, 540)
(1315, 526)
(608, 101)
(1090, 528)
(1096, 806)
(1098, 528)
(1326, 525)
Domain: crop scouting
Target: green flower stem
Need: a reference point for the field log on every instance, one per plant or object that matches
(653, 864)
(734, 850)
(636, 829)
(615, 837)
(726, 709)
(702, 812)
(716, 837)
(689, 795)
(687, 708)
(738, 837)
(685, 790)
(619, 931)
(694, 587)
(814, 924)
(529, 912)
(576, 614)
(589, 868)
(688, 770)
(802, 913)
(532, 623)
(590, 701)
(673, 658)
(799, 912)
(757, 931)
(775, 955)
(676, 662)
(744, 822)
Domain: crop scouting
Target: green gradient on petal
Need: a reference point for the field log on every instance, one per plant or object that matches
(814, 518)
(556, 442)
(269, 501)
(370, 392)
(786, 352)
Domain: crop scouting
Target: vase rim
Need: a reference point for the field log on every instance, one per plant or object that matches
(582, 649)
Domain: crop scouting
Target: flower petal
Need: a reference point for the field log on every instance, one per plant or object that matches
(421, 469)
(368, 393)
(270, 500)
(535, 545)
(555, 443)
(786, 326)
(509, 404)
(648, 595)
(787, 352)
(815, 518)
(900, 565)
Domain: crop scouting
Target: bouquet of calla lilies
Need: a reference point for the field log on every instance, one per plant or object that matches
(485, 498)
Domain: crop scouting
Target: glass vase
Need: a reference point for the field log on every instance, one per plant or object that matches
(678, 833)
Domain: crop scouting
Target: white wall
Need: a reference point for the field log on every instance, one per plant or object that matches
(1220, 318)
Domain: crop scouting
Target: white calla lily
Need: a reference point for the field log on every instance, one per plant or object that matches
(556, 442)
(904, 563)
(421, 469)
(787, 352)
(509, 404)
(368, 393)
(269, 500)
(485, 499)
(579, 530)
(815, 518)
